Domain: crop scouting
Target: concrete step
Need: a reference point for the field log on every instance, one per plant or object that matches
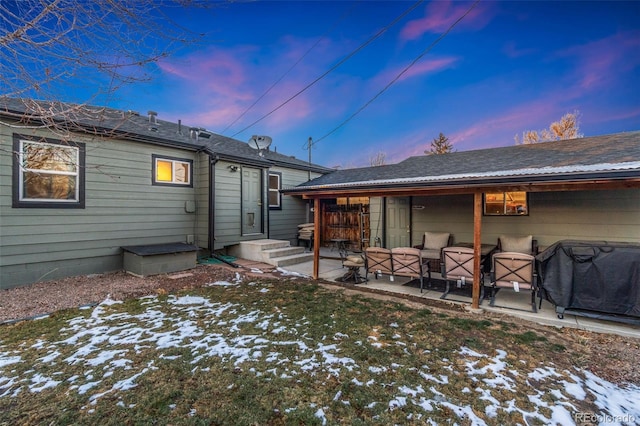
(291, 260)
(282, 252)
(253, 250)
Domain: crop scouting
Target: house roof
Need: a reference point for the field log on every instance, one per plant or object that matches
(136, 127)
(614, 156)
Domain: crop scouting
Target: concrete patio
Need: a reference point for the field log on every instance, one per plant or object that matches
(518, 303)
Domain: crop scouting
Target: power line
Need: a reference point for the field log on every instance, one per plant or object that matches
(345, 59)
(424, 52)
(347, 13)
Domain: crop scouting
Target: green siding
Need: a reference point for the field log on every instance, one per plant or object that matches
(553, 216)
(122, 207)
(376, 223)
(201, 178)
(284, 222)
(227, 229)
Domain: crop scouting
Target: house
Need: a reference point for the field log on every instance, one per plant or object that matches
(584, 189)
(78, 183)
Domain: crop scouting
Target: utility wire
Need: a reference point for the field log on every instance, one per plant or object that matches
(342, 18)
(345, 59)
(424, 52)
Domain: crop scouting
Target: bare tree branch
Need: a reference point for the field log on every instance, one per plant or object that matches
(568, 127)
(98, 44)
(378, 160)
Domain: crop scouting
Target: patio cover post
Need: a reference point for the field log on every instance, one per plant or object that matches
(316, 238)
(477, 244)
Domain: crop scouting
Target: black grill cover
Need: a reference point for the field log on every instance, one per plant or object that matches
(595, 276)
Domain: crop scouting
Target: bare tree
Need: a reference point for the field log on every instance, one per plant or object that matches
(52, 49)
(568, 127)
(378, 160)
(440, 145)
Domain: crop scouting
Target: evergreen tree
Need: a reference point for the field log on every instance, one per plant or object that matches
(440, 145)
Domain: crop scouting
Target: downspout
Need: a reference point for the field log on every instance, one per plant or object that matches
(212, 202)
(265, 196)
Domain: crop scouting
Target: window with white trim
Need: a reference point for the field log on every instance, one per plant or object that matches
(275, 185)
(48, 173)
(172, 171)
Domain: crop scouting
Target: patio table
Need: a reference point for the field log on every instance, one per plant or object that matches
(485, 253)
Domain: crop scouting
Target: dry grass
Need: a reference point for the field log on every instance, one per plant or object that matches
(307, 353)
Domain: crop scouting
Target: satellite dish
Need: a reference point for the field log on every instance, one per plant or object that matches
(260, 142)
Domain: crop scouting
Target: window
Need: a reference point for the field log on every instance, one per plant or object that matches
(170, 171)
(506, 203)
(275, 184)
(47, 173)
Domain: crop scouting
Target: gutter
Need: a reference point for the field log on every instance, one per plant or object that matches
(477, 182)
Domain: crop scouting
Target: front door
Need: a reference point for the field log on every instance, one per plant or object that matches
(251, 201)
(398, 219)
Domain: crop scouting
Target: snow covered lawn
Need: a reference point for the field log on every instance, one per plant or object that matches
(267, 351)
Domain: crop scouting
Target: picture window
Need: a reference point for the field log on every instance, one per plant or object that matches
(48, 173)
(515, 203)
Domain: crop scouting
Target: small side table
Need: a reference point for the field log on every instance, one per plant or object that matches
(340, 244)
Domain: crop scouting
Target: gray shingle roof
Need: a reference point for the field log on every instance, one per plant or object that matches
(134, 126)
(617, 153)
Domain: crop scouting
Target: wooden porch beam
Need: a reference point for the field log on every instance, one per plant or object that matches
(316, 238)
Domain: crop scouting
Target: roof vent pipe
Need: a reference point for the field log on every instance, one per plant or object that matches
(153, 117)
(179, 127)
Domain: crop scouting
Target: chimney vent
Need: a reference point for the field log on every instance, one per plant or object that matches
(153, 117)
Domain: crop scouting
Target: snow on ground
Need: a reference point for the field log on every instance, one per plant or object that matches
(287, 273)
(107, 341)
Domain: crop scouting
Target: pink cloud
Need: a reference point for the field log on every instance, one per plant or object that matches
(214, 71)
(617, 116)
(599, 62)
(439, 15)
(224, 83)
(421, 68)
(491, 131)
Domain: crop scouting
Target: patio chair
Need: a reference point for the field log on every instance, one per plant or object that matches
(431, 249)
(378, 261)
(457, 265)
(515, 271)
(353, 262)
(519, 244)
(407, 262)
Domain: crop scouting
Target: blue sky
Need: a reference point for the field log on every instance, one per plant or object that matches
(505, 68)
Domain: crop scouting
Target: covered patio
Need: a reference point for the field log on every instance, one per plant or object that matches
(595, 165)
(511, 306)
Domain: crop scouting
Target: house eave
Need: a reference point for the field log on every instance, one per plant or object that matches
(531, 183)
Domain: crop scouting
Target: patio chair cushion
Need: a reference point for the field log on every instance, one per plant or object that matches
(516, 244)
(379, 259)
(407, 262)
(435, 241)
(430, 254)
(355, 259)
(458, 263)
(510, 267)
